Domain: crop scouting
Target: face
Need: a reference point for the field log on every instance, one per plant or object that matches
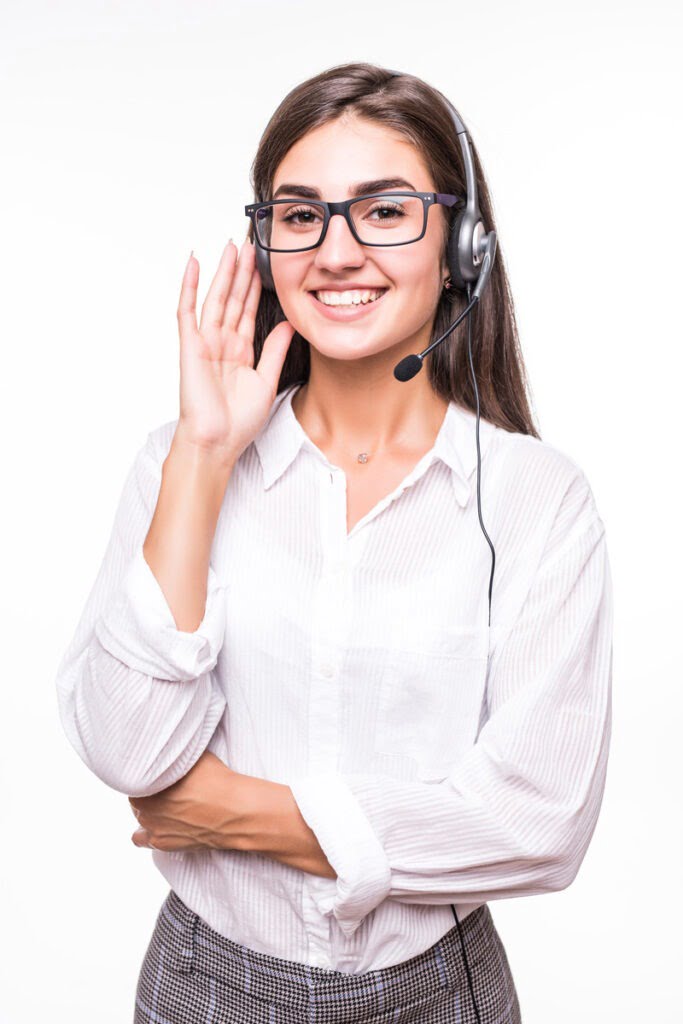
(331, 159)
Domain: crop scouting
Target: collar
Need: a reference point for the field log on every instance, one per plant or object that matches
(282, 436)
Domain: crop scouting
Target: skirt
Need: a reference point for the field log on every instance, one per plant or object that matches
(193, 975)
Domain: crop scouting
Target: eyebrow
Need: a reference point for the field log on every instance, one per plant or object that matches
(359, 189)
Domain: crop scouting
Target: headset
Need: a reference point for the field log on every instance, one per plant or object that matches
(470, 254)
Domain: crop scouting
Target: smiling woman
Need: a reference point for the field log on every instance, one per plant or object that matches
(288, 660)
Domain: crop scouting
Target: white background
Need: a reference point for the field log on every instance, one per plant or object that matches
(128, 130)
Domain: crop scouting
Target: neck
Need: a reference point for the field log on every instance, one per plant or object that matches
(359, 413)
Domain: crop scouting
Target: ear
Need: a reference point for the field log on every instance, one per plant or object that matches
(445, 269)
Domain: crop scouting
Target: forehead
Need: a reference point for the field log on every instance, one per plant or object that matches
(336, 155)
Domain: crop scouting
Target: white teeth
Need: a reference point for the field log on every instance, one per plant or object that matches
(350, 298)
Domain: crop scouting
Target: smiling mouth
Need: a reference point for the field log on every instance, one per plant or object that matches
(374, 292)
(347, 310)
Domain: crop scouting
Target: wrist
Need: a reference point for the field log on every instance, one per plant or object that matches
(212, 454)
(275, 827)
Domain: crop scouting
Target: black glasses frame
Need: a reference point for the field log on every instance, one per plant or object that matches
(429, 199)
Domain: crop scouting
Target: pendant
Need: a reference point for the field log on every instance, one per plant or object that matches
(363, 457)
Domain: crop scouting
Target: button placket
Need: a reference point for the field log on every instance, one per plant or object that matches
(317, 925)
(329, 626)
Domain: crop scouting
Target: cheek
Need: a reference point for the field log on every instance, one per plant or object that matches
(290, 267)
(420, 281)
(288, 275)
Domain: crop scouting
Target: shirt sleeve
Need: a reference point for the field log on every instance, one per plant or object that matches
(137, 697)
(515, 814)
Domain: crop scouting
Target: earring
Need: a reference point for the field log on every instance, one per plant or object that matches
(448, 283)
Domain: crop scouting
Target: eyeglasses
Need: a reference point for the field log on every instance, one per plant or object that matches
(379, 218)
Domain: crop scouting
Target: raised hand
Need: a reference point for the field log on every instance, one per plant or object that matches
(224, 399)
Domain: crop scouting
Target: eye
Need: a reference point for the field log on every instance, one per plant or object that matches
(297, 215)
(395, 210)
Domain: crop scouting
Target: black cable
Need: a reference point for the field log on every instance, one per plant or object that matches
(467, 966)
(493, 565)
(476, 395)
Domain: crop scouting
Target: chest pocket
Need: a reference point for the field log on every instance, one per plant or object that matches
(430, 698)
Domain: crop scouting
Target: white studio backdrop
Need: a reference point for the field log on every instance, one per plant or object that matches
(128, 133)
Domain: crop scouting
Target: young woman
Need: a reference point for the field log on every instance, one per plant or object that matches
(287, 662)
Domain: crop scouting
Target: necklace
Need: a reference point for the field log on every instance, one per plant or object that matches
(364, 456)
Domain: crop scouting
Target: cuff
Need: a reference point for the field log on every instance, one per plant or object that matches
(348, 840)
(138, 628)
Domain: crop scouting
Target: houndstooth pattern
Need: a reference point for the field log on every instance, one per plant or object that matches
(193, 975)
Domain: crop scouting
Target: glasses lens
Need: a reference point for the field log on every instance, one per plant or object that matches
(290, 225)
(390, 219)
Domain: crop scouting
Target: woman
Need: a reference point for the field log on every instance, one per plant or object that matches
(287, 662)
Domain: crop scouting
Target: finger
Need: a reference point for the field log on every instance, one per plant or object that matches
(273, 354)
(187, 319)
(214, 303)
(141, 838)
(240, 287)
(247, 324)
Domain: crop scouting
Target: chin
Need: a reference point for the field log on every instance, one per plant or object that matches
(348, 351)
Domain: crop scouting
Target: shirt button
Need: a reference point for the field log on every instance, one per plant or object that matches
(319, 960)
(327, 670)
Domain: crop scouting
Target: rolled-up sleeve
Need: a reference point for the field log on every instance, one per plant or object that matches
(515, 814)
(137, 697)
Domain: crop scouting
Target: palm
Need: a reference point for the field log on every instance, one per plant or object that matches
(224, 399)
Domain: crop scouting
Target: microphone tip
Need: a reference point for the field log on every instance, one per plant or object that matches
(407, 368)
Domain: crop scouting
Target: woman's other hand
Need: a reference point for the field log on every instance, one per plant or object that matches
(217, 808)
(193, 812)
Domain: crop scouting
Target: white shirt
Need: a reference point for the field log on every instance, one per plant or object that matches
(437, 761)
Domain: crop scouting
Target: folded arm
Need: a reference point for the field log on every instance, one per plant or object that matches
(514, 815)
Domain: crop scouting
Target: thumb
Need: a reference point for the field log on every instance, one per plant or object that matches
(274, 352)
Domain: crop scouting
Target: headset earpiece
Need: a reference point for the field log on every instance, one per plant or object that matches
(465, 248)
(453, 253)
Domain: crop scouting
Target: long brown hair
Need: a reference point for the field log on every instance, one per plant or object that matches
(420, 113)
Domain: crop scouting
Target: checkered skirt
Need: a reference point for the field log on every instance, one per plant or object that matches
(193, 975)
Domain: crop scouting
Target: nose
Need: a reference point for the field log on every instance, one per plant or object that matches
(339, 249)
